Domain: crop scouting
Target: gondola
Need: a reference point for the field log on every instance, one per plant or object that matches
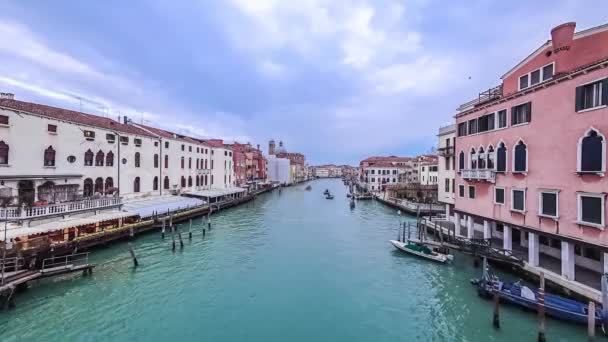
(422, 251)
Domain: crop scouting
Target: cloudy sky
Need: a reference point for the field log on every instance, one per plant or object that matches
(337, 80)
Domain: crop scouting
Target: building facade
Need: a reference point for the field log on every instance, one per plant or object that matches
(446, 164)
(51, 155)
(531, 155)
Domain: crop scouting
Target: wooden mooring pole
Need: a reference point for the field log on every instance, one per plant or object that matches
(591, 322)
(541, 309)
(135, 262)
(496, 316)
(181, 242)
(190, 230)
(173, 238)
(162, 232)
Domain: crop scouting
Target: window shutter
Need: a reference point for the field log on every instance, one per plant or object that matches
(512, 115)
(579, 98)
(605, 92)
(528, 111)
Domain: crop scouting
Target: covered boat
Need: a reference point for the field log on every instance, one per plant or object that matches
(555, 306)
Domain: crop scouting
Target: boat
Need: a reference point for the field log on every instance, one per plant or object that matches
(422, 251)
(348, 195)
(326, 192)
(308, 188)
(329, 196)
(352, 204)
(516, 293)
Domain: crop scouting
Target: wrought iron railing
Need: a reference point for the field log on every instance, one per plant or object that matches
(61, 208)
(479, 174)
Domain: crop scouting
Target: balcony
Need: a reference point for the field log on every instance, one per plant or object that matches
(479, 175)
(16, 213)
(446, 151)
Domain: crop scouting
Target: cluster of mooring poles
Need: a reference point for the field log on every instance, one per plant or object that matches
(542, 326)
(174, 231)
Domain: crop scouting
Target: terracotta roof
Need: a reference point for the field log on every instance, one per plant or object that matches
(213, 142)
(71, 116)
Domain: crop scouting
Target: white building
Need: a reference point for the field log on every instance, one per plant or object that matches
(446, 164)
(278, 170)
(429, 173)
(51, 155)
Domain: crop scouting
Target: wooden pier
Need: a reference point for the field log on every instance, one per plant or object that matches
(16, 276)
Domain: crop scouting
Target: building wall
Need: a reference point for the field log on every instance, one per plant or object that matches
(446, 164)
(552, 139)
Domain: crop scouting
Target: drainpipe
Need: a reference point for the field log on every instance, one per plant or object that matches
(118, 161)
(161, 160)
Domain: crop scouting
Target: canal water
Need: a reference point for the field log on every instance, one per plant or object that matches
(285, 267)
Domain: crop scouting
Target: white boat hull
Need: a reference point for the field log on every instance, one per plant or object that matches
(437, 257)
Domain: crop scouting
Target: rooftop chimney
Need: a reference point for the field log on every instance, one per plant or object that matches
(8, 96)
(125, 120)
(561, 40)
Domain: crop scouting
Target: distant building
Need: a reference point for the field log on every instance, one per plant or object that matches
(446, 164)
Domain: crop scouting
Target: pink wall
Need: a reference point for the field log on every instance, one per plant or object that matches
(572, 54)
(551, 138)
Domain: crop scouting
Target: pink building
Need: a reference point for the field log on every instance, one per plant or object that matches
(531, 157)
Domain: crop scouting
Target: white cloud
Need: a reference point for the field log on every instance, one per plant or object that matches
(272, 69)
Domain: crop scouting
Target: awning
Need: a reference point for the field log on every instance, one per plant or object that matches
(68, 222)
(215, 192)
(162, 204)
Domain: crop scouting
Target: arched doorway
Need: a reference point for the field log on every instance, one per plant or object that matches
(26, 192)
(46, 192)
(109, 188)
(87, 188)
(99, 185)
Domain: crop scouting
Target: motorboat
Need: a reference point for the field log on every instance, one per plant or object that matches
(422, 251)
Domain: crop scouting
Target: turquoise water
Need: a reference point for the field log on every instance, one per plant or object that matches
(289, 267)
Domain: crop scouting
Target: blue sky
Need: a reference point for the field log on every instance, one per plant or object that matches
(337, 80)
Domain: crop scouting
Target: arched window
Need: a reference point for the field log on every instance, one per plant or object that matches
(166, 182)
(109, 184)
(99, 185)
(166, 161)
(110, 159)
(183, 163)
(3, 153)
(155, 183)
(99, 157)
(501, 158)
(49, 156)
(136, 184)
(461, 165)
(490, 158)
(189, 181)
(156, 161)
(591, 152)
(137, 159)
(481, 158)
(87, 189)
(183, 182)
(473, 159)
(88, 160)
(190, 162)
(520, 157)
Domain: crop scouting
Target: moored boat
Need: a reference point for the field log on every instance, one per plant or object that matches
(421, 251)
(516, 293)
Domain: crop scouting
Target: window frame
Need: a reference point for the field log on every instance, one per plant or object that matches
(49, 130)
(521, 211)
(579, 153)
(525, 172)
(461, 194)
(542, 79)
(579, 209)
(474, 191)
(528, 115)
(540, 203)
(601, 105)
(504, 195)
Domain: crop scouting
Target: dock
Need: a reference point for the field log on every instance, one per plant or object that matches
(16, 276)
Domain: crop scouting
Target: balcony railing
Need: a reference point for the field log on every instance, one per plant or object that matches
(61, 208)
(481, 174)
(446, 151)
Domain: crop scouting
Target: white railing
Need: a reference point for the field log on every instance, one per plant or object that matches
(61, 208)
(482, 174)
